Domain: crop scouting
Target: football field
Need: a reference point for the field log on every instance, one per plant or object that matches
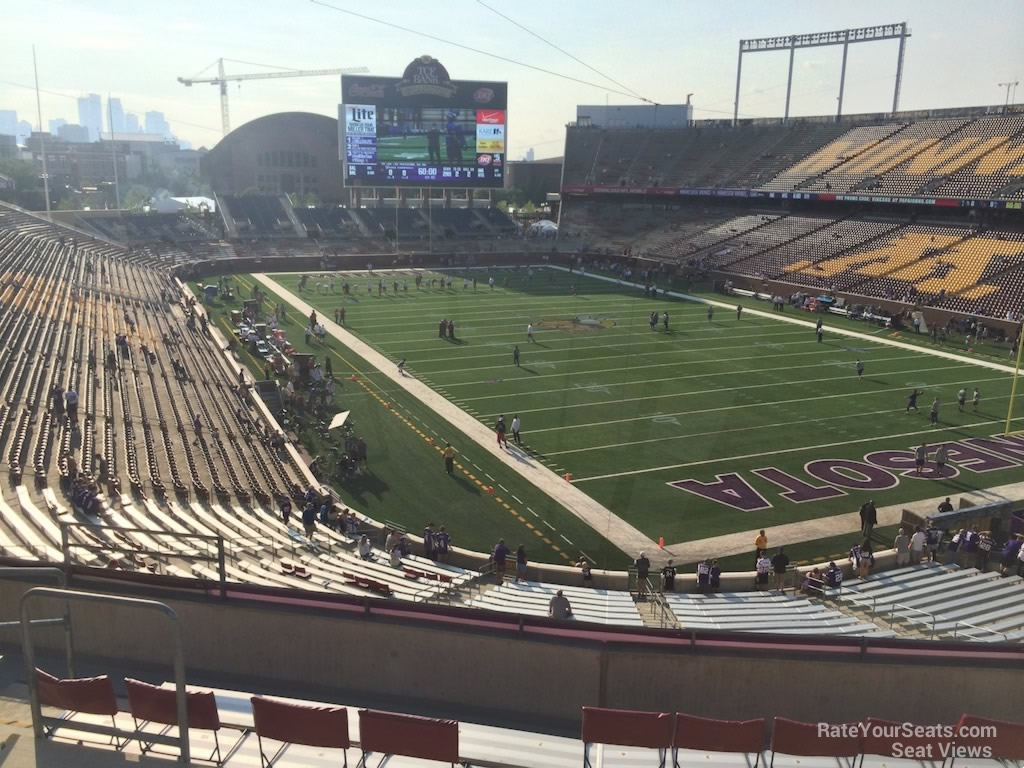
(413, 149)
(713, 426)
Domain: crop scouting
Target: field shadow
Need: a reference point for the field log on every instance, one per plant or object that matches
(527, 369)
(360, 486)
(466, 486)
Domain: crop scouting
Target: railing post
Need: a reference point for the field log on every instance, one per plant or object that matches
(65, 548)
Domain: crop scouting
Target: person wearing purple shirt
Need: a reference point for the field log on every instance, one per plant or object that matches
(499, 556)
(1010, 552)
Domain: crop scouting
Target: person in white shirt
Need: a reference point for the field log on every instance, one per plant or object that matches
(764, 568)
(559, 607)
(917, 542)
(365, 550)
(529, 332)
(516, 425)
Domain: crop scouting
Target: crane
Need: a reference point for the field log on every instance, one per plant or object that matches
(223, 78)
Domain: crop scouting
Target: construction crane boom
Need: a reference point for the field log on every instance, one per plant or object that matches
(222, 79)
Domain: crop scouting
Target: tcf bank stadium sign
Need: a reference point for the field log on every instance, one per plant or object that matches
(583, 190)
(877, 471)
(425, 82)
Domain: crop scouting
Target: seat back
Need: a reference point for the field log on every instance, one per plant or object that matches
(91, 695)
(792, 737)
(301, 724)
(891, 739)
(160, 705)
(1004, 739)
(409, 736)
(626, 728)
(718, 735)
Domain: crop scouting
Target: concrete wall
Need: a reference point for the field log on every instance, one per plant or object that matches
(418, 660)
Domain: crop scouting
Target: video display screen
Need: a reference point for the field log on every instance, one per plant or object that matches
(423, 129)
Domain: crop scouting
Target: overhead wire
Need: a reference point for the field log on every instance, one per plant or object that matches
(559, 49)
(480, 51)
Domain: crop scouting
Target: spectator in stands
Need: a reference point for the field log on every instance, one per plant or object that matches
(643, 570)
(521, 563)
(833, 575)
(762, 570)
(1020, 561)
(865, 559)
(933, 538)
(392, 539)
(309, 518)
(703, 575)
(364, 548)
(286, 511)
(902, 546)
(811, 582)
(72, 466)
(442, 544)
(760, 545)
(71, 401)
(584, 565)
(984, 551)
(57, 400)
(197, 426)
(668, 577)
(716, 576)
(969, 547)
(559, 607)
(868, 518)
(1010, 553)
(395, 555)
(428, 542)
(953, 548)
(499, 555)
(779, 565)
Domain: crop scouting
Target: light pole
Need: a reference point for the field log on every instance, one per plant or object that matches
(1007, 86)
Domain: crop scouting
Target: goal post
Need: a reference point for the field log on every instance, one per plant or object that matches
(1013, 388)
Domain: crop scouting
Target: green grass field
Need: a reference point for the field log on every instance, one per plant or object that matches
(413, 149)
(406, 482)
(730, 403)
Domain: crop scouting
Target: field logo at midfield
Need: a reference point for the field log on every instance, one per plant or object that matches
(877, 471)
(577, 324)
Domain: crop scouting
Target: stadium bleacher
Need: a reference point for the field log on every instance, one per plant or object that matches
(257, 215)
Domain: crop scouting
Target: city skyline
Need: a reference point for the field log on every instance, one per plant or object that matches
(97, 116)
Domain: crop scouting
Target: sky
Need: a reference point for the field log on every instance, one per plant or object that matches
(660, 49)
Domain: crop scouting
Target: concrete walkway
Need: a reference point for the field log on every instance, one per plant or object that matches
(600, 518)
(836, 525)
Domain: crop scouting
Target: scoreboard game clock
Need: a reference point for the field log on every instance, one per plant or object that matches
(423, 129)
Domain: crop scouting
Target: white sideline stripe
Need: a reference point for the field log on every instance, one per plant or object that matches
(601, 519)
(688, 361)
(783, 318)
(797, 449)
(631, 345)
(642, 382)
(667, 395)
(740, 429)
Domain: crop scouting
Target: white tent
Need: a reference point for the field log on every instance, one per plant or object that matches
(543, 227)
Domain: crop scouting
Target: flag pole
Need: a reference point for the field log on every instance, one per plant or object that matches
(113, 153)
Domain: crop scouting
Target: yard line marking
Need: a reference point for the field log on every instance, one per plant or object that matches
(477, 466)
(667, 395)
(566, 540)
(761, 403)
(630, 369)
(736, 429)
(532, 512)
(486, 475)
(506, 490)
(549, 525)
(727, 459)
(689, 361)
(518, 500)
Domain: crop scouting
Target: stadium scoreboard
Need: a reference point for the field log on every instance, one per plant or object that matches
(422, 129)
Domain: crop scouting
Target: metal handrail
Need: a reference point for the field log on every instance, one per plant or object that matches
(892, 615)
(61, 579)
(956, 628)
(39, 721)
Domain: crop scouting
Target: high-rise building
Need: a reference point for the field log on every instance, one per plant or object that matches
(8, 122)
(90, 115)
(115, 115)
(55, 125)
(155, 123)
(131, 123)
(22, 131)
(74, 134)
(529, 155)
